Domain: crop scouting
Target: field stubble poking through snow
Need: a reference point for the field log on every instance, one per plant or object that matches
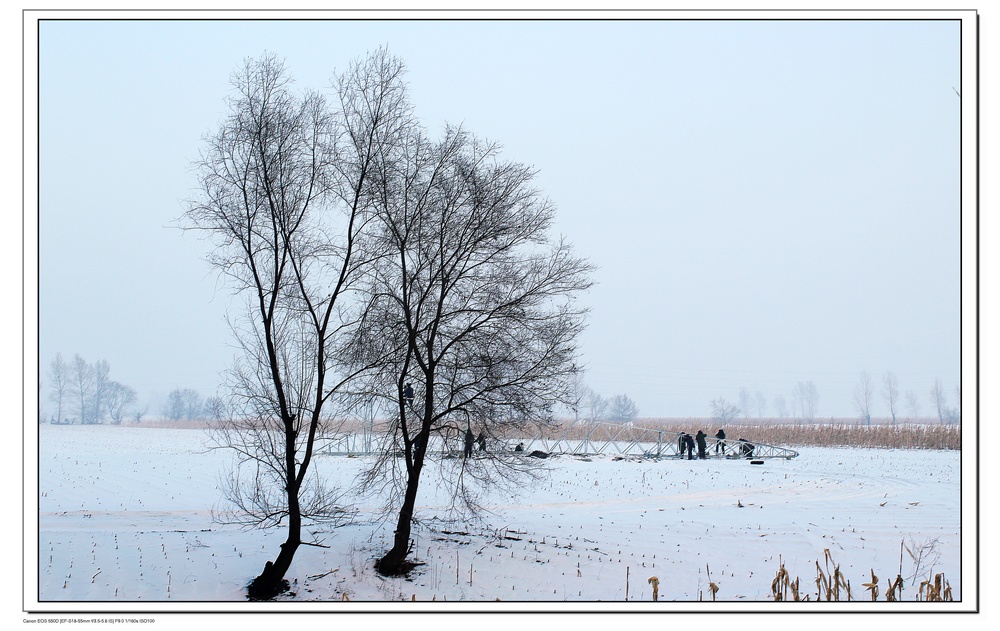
(125, 515)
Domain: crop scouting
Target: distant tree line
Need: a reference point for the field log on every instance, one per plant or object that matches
(84, 392)
(805, 402)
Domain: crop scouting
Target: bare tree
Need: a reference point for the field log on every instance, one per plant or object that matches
(623, 409)
(597, 406)
(746, 403)
(890, 394)
(82, 375)
(120, 398)
(59, 380)
(286, 188)
(807, 397)
(760, 401)
(939, 400)
(101, 373)
(475, 307)
(863, 398)
(913, 404)
(723, 411)
(780, 406)
(174, 407)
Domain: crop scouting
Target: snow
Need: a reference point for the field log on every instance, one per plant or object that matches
(125, 523)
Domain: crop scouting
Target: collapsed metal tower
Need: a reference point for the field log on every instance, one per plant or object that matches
(583, 439)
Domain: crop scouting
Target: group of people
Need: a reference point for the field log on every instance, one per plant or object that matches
(470, 439)
(686, 444)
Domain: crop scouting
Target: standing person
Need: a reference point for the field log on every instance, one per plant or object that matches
(408, 394)
(481, 441)
(689, 443)
(701, 444)
(720, 441)
(681, 444)
(469, 439)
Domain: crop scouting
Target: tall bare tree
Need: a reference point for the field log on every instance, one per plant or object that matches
(939, 399)
(286, 189)
(863, 398)
(890, 394)
(474, 310)
(913, 404)
(82, 375)
(59, 381)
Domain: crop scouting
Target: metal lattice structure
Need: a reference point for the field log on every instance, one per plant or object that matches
(581, 439)
(629, 440)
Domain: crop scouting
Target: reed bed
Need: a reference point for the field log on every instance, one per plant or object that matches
(834, 433)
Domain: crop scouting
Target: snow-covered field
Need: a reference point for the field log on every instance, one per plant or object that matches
(125, 524)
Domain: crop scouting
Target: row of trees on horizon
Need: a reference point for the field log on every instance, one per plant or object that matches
(83, 392)
(805, 402)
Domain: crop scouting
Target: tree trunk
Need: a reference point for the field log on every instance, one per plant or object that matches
(394, 562)
(271, 581)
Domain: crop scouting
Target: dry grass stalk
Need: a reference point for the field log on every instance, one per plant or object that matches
(712, 587)
(779, 586)
(873, 587)
(895, 591)
(938, 590)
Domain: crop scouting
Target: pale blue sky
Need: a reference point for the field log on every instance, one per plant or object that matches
(768, 202)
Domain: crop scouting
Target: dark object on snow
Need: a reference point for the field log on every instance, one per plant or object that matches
(701, 444)
(689, 444)
(538, 454)
(469, 439)
(519, 448)
(720, 437)
(746, 448)
(756, 462)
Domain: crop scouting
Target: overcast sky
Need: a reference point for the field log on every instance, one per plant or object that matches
(768, 202)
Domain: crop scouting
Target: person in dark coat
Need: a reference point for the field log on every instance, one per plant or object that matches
(681, 444)
(720, 441)
(481, 441)
(408, 394)
(689, 444)
(701, 444)
(469, 439)
(746, 448)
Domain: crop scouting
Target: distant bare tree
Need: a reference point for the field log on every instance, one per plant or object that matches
(174, 407)
(760, 401)
(939, 400)
(120, 398)
(578, 394)
(597, 406)
(82, 375)
(890, 394)
(287, 184)
(958, 399)
(780, 406)
(723, 411)
(59, 381)
(746, 403)
(476, 308)
(623, 409)
(863, 398)
(101, 376)
(913, 404)
(807, 397)
(215, 408)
